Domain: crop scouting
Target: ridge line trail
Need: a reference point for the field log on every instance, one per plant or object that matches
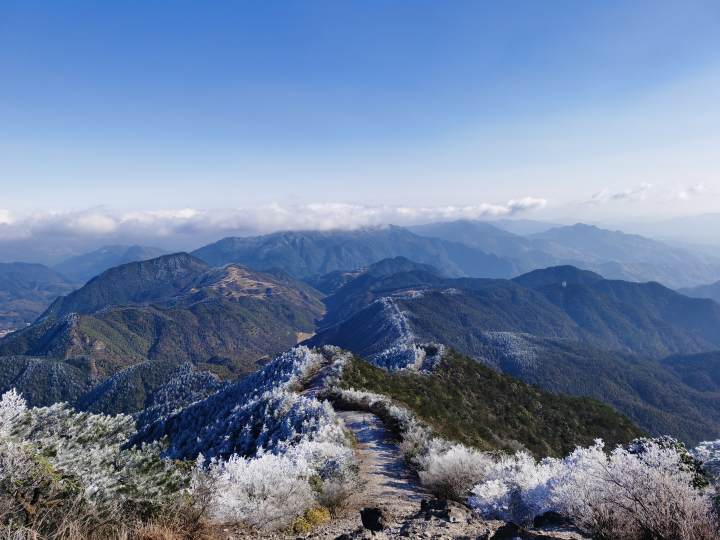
(388, 483)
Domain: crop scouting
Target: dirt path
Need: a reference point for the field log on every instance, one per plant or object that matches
(389, 485)
(387, 482)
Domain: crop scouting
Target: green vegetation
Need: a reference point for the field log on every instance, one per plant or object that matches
(154, 316)
(470, 403)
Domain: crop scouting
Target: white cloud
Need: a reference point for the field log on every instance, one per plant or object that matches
(636, 193)
(684, 193)
(648, 192)
(101, 222)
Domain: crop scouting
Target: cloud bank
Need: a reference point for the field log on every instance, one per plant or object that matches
(648, 192)
(190, 222)
(636, 193)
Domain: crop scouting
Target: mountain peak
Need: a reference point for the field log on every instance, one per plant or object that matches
(553, 275)
(132, 283)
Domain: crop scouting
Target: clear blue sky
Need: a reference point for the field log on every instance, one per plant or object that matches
(143, 105)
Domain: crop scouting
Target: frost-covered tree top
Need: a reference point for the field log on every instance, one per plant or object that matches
(88, 448)
(11, 406)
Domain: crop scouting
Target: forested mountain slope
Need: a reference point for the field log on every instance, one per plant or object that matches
(170, 311)
(570, 331)
(468, 402)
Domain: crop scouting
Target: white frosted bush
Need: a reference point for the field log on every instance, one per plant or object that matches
(451, 472)
(625, 494)
(516, 488)
(267, 492)
(271, 490)
(634, 495)
(11, 406)
(708, 453)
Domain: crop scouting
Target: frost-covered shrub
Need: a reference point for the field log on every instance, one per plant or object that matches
(11, 406)
(274, 450)
(266, 492)
(272, 490)
(643, 491)
(708, 454)
(450, 471)
(634, 494)
(515, 488)
(73, 463)
(63, 475)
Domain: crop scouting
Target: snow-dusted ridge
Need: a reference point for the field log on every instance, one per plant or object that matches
(263, 412)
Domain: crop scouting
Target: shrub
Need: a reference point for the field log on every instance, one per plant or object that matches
(708, 454)
(643, 491)
(650, 494)
(11, 406)
(451, 472)
(310, 519)
(515, 488)
(272, 490)
(267, 492)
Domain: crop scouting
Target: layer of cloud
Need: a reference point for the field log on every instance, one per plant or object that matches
(648, 192)
(635, 193)
(685, 193)
(101, 222)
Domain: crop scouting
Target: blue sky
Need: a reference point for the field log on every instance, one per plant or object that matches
(602, 109)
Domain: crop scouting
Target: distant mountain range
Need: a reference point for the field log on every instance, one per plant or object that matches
(567, 330)
(613, 254)
(500, 249)
(470, 248)
(313, 253)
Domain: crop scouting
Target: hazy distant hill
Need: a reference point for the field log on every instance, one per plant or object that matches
(613, 254)
(618, 255)
(83, 267)
(523, 227)
(26, 290)
(307, 254)
(524, 252)
(703, 291)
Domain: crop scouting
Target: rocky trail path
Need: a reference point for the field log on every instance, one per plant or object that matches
(387, 482)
